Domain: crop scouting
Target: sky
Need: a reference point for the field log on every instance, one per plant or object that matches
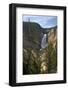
(44, 21)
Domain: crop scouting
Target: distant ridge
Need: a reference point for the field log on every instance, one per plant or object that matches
(34, 25)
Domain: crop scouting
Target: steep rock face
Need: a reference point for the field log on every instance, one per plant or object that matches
(36, 61)
(52, 38)
(31, 37)
(44, 61)
(31, 63)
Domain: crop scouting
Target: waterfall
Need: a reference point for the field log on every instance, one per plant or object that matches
(44, 41)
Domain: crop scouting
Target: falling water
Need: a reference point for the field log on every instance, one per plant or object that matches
(44, 42)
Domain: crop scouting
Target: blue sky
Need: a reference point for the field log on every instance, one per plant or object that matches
(44, 21)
